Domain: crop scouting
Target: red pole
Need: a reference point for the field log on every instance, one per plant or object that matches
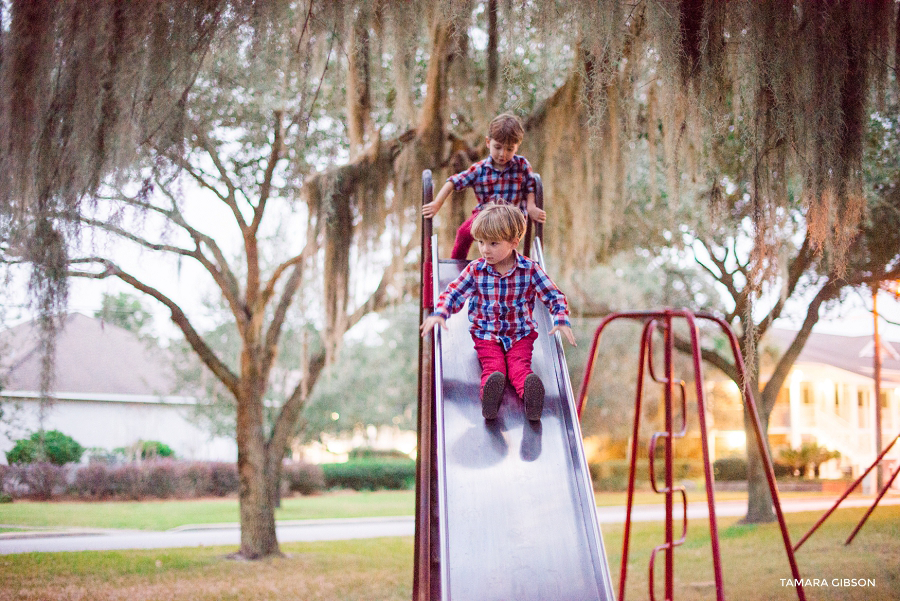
(709, 477)
(884, 489)
(845, 495)
(670, 552)
(629, 503)
(592, 355)
(767, 462)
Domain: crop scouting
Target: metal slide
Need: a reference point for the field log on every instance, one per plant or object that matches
(512, 499)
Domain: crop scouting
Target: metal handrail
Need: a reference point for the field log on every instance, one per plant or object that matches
(423, 544)
(439, 429)
(533, 229)
(430, 400)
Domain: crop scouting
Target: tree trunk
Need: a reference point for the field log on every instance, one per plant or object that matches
(556, 135)
(759, 498)
(257, 509)
(273, 477)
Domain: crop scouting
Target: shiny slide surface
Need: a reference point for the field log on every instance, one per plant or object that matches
(516, 505)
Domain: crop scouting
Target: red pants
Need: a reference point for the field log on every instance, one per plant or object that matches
(515, 363)
(464, 239)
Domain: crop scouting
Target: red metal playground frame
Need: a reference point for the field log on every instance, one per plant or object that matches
(663, 321)
(847, 492)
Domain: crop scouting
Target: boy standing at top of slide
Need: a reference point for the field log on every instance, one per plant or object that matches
(502, 178)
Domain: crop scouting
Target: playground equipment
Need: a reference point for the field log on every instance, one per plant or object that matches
(663, 321)
(847, 492)
(505, 508)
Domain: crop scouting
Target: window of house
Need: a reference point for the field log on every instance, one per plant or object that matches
(806, 394)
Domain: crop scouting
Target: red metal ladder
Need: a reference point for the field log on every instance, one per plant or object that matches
(663, 321)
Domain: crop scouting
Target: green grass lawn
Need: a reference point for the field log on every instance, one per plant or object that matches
(753, 558)
(164, 515)
(325, 571)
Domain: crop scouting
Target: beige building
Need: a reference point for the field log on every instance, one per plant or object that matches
(828, 399)
(112, 390)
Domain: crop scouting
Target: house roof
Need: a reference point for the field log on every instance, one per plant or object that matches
(92, 358)
(850, 353)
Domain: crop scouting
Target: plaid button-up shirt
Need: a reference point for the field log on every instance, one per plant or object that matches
(501, 306)
(510, 186)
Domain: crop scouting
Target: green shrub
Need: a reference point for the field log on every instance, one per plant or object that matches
(370, 453)
(58, 448)
(371, 474)
(145, 449)
(731, 469)
(304, 478)
(781, 470)
(612, 474)
(151, 449)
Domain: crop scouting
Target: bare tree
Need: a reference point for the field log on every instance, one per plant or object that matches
(800, 276)
(246, 144)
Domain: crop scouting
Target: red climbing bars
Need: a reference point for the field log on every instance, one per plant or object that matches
(663, 322)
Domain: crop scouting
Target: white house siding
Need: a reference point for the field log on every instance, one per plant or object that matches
(109, 424)
(834, 408)
(112, 389)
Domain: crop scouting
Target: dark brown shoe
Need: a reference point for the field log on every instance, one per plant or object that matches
(491, 395)
(533, 397)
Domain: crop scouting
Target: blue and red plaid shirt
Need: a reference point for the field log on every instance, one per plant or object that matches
(501, 306)
(510, 186)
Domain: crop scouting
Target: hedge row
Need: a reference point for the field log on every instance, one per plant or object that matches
(612, 475)
(733, 469)
(161, 479)
(303, 478)
(371, 474)
(170, 479)
(165, 478)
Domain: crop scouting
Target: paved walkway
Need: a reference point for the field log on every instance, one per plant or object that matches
(316, 530)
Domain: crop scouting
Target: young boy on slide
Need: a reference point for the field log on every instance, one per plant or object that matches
(502, 287)
(503, 177)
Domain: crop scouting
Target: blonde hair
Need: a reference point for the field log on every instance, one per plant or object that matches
(499, 222)
(506, 129)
